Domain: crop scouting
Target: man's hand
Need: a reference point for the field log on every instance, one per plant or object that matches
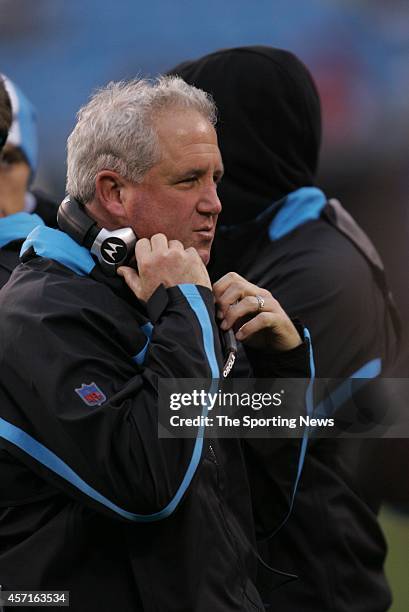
(163, 262)
(260, 321)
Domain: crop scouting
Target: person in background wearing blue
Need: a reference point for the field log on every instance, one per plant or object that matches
(21, 209)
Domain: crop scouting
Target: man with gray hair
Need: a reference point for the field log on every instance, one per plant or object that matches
(94, 502)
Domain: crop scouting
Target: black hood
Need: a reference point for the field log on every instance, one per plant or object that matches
(269, 125)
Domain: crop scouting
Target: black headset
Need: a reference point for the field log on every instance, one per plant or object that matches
(113, 248)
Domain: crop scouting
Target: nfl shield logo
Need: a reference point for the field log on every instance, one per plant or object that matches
(91, 394)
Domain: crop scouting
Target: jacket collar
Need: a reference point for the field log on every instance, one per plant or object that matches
(54, 244)
(17, 227)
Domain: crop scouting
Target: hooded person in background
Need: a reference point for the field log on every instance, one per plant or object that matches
(21, 209)
(279, 231)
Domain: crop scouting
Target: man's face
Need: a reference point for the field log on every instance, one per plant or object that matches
(178, 196)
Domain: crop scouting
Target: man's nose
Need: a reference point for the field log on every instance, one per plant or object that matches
(209, 203)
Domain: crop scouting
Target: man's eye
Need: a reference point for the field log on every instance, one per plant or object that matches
(187, 180)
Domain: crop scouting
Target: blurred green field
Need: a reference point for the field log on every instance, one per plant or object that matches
(396, 529)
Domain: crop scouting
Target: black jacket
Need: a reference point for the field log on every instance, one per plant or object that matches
(325, 271)
(91, 500)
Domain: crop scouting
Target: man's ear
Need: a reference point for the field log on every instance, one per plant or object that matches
(109, 188)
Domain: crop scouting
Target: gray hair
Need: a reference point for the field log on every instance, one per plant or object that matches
(115, 129)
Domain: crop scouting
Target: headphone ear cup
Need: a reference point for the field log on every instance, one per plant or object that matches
(112, 248)
(73, 220)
